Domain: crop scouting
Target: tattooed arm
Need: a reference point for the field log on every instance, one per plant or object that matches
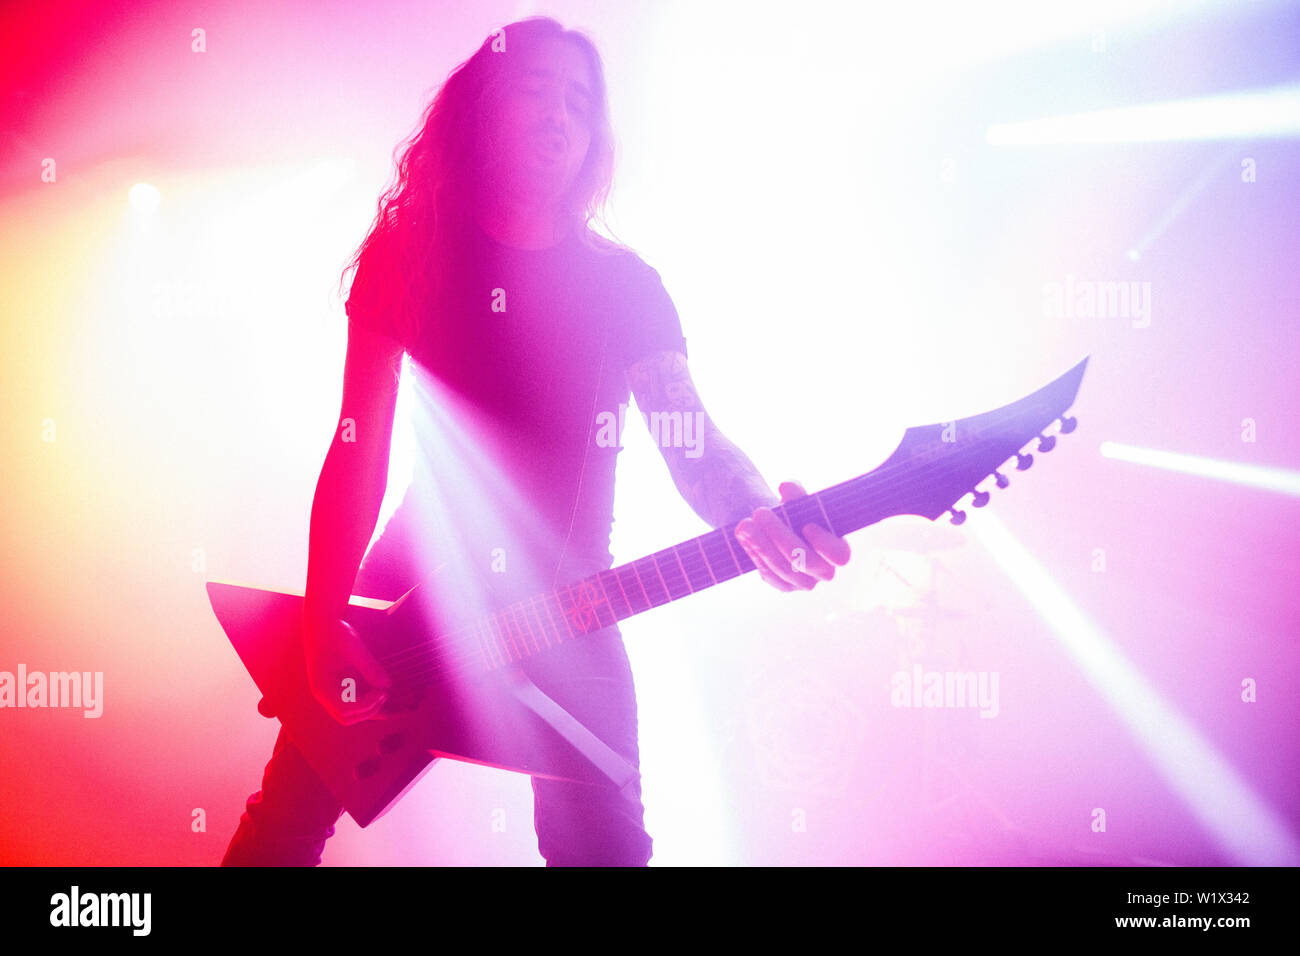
(712, 474)
(722, 485)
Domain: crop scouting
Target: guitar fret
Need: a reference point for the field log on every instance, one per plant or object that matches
(507, 641)
(686, 577)
(627, 604)
(654, 602)
(648, 603)
(541, 626)
(482, 647)
(614, 609)
(669, 578)
(603, 605)
(700, 543)
(830, 526)
(729, 533)
(512, 629)
(601, 581)
(485, 636)
(528, 623)
(719, 542)
(503, 649)
(515, 643)
(567, 612)
(559, 639)
(695, 574)
(516, 614)
(688, 565)
(584, 609)
(851, 503)
(526, 629)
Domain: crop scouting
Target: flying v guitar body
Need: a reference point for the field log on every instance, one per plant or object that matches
(498, 718)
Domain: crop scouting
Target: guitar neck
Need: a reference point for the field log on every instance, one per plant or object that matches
(601, 600)
(607, 597)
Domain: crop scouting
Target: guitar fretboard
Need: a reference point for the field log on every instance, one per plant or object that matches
(549, 619)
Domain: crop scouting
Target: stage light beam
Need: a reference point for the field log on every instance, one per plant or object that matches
(1272, 113)
(144, 197)
(1239, 822)
(1281, 480)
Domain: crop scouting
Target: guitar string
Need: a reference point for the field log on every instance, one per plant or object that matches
(461, 646)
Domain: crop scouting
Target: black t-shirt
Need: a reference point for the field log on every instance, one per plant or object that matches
(520, 394)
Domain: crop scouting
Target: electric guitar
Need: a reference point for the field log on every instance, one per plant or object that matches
(457, 688)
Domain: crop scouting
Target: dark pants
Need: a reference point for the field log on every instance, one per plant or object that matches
(287, 822)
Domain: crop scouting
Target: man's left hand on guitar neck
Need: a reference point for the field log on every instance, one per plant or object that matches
(784, 560)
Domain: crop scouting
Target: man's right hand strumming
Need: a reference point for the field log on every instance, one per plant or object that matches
(347, 680)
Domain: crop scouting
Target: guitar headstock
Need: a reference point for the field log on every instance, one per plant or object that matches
(935, 466)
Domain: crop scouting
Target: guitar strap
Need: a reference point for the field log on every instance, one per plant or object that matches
(616, 769)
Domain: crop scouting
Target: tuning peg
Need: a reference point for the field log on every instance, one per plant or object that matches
(957, 516)
(1046, 443)
(1002, 480)
(980, 499)
(1068, 424)
(1023, 462)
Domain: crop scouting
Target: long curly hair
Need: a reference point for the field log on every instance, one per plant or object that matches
(424, 212)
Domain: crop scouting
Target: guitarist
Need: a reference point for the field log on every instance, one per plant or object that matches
(523, 328)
